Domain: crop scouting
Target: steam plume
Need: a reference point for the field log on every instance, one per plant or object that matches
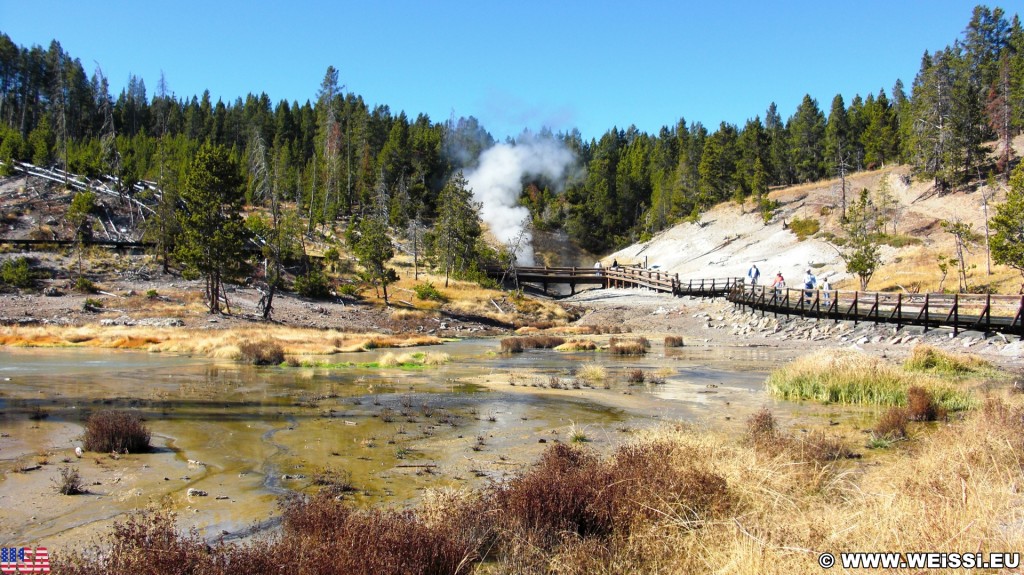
(498, 181)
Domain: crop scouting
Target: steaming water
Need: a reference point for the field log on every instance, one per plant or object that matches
(259, 433)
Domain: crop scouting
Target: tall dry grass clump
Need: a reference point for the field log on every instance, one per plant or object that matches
(673, 341)
(628, 346)
(261, 352)
(592, 373)
(116, 431)
(842, 376)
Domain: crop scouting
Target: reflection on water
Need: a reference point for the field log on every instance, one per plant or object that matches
(246, 435)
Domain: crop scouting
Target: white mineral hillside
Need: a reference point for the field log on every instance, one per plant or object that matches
(729, 238)
(726, 242)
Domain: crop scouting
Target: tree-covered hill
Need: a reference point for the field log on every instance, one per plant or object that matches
(335, 156)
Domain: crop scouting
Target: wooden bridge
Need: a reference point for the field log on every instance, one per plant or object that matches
(980, 312)
(619, 277)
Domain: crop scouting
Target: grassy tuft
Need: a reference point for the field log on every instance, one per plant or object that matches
(933, 360)
(592, 373)
(673, 341)
(832, 376)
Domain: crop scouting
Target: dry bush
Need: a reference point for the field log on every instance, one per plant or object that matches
(70, 482)
(893, 424)
(512, 345)
(519, 344)
(116, 431)
(572, 493)
(553, 497)
(262, 352)
(388, 359)
(334, 538)
(762, 429)
(673, 341)
(635, 376)
(921, 405)
(144, 543)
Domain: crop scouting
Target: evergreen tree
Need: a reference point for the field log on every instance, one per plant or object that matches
(807, 138)
(453, 240)
(1007, 241)
(372, 246)
(212, 237)
(861, 252)
(837, 136)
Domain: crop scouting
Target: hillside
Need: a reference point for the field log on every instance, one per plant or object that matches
(730, 237)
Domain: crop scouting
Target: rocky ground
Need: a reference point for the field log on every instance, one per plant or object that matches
(716, 322)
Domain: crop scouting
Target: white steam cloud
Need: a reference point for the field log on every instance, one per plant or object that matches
(498, 181)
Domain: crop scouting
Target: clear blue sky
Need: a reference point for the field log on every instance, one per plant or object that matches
(514, 64)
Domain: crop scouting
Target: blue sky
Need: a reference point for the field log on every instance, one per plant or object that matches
(513, 65)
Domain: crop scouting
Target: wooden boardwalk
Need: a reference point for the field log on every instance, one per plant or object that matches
(620, 277)
(980, 312)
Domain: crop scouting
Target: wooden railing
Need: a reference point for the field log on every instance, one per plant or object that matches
(982, 312)
(619, 277)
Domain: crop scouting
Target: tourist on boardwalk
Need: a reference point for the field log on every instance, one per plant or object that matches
(826, 289)
(779, 283)
(809, 284)
(753, 274)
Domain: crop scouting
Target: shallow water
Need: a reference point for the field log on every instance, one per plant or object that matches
(248, 435)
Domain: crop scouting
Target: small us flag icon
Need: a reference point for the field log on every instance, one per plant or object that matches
(24, 560)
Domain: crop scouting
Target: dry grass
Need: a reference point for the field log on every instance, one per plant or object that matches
(673, 341)
(577, 345)
(224, 344)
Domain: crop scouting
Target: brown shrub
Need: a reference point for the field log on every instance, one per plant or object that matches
(334, 538)
(673, 341)
(893, 424)
(921, 406)
(824, 447)
(762, 429)
(572, 491)
(119, 431)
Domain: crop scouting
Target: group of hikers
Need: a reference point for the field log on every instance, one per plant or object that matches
(779, 283)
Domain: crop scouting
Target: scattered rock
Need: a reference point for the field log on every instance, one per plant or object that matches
(193, 492)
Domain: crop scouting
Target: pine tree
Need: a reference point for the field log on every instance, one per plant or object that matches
(807, 138)
(453, 240)
(212, 236)
(1007, 241)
